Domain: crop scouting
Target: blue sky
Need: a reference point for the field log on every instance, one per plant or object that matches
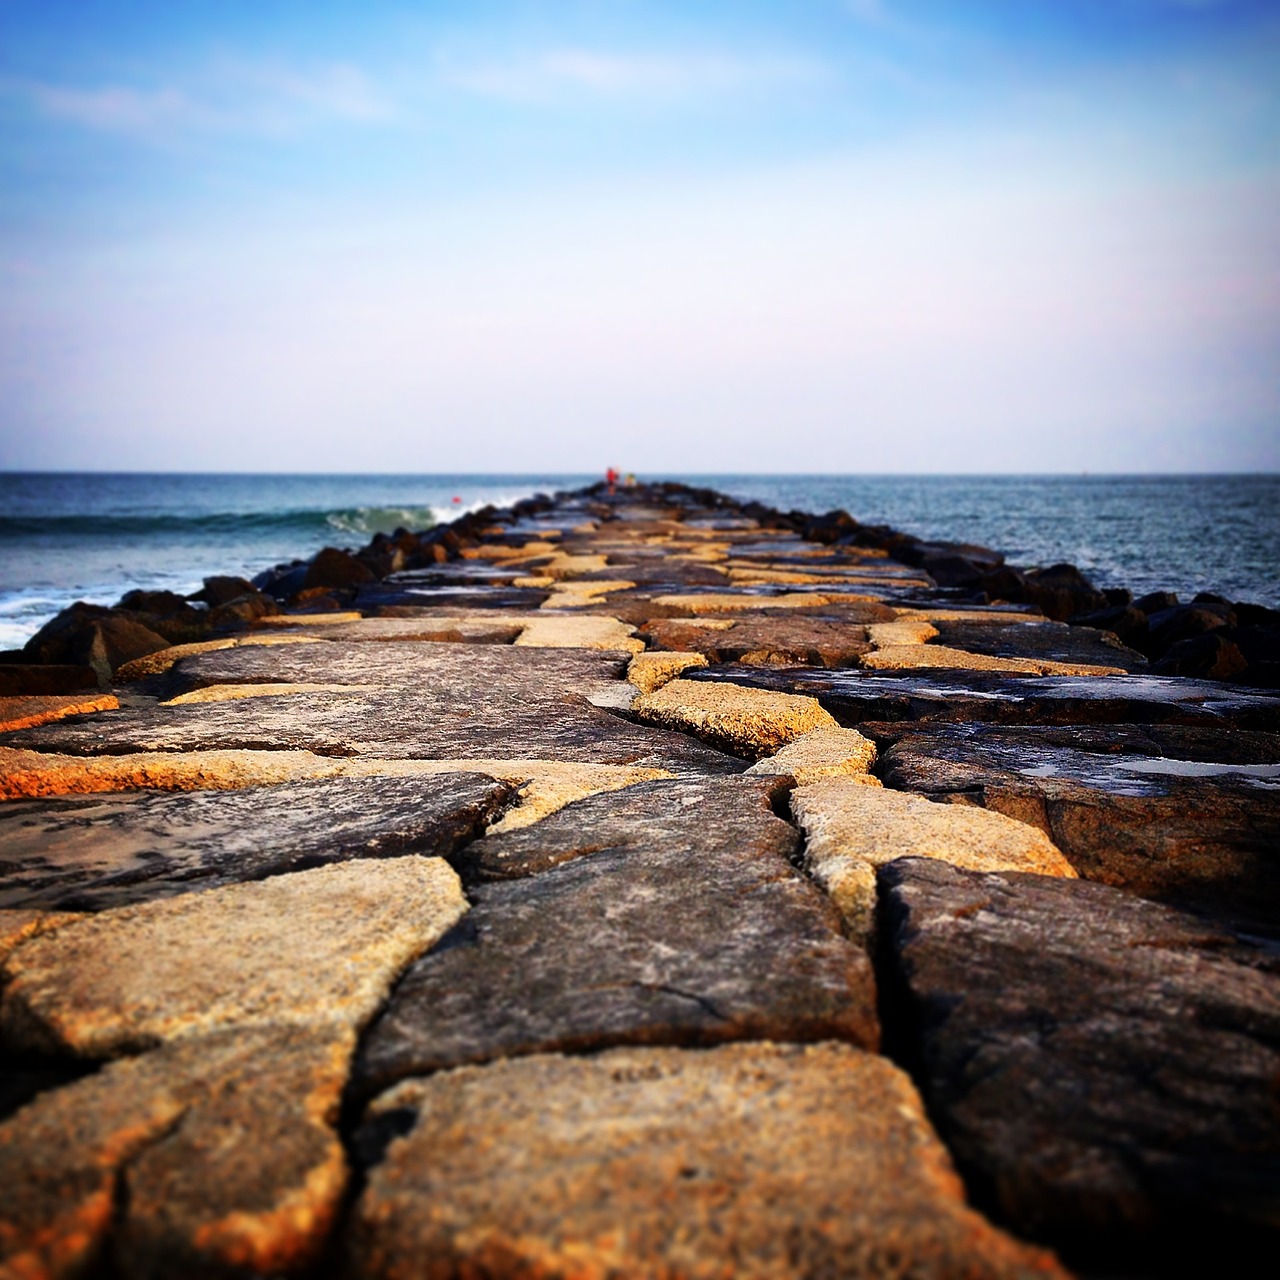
(855, 235)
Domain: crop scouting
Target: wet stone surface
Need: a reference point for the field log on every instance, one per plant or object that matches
(84, 854)
(854, 696)
(1103, 1067)
(1190, 815)
(422, 701)
(749, 1160)
(503, 899)
(669, 914)
(1053, 640)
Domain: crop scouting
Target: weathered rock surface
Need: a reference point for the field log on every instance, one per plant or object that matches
(213, 1156)
(802, 641)
(1055, 641)
(1190, 815)
(938, 657)
(749, 722)
(850, 830)
(747, 1160)
(1103, 1067)
(423, 701)
(34, 679)
(650, 671)
(821, 753)
(673, 916)
(854, 696)
(84, 855)
(26, 713)
(317, 948)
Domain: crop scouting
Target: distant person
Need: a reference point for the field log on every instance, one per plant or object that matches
(611, 479)
(630, 481)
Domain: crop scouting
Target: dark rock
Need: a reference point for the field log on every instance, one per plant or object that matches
(334, 568)
(1183, 622)
(853, 696)
(1156, 601)
(1004, 583)
(107, 851)
(62, 636)
(223, 589)
(804, 641)
(90, 635)
(402, 700)
(1055, 641)
(1209, 657)
(1190, 815)
(23, 679)
(693, 931)
(1062, 591)
(234, 614)
(1127, 624)
(161, 604)
(1103, 1068)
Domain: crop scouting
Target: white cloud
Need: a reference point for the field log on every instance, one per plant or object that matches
(229, 97)
(555, 71)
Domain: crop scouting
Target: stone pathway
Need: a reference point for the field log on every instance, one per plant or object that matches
(634, 885)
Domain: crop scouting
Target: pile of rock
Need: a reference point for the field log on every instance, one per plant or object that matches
(637, 884)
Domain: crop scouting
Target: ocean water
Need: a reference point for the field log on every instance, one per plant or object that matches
(66, 537)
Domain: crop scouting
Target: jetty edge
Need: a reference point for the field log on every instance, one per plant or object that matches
(641, 883)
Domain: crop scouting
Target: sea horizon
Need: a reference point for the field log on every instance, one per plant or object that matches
(67, 535)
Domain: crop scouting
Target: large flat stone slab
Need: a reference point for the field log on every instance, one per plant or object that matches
(109, 851)
(799, 641)
(1040, 639)
(749, 722)
(317, 948)
(669, 914)
(851, 829)
(1186, 814)
(854, 696)
(213, 1156)
(395, 700)
(26, 713)
(747, 1160)
(1103, 1067)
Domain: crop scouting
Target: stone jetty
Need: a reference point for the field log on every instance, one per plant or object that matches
(642, 884)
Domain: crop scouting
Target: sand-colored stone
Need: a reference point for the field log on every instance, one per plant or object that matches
(546, 786)
(904, 631)
(319, 948)
(837, 576)
(583, 592)
(25, 713)
(154, 663)
(878, 825)
(563, 565)
(751, 722)
(213, 1154)
(19, 925)
(534, 581)
(650, 671)
(235, 692)
(907, 656)
(308, 619)
(749, 1160)
(726, 602)
(31, 774)
(997, 617)
(824, 753)
(482, 628)
(589, 632)
(508, 554)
